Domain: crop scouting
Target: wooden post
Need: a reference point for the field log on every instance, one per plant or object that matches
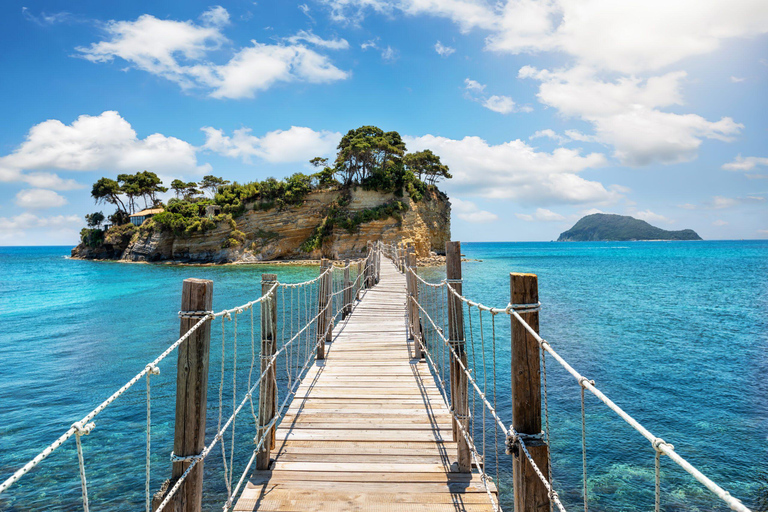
(413, 289)
(322, 319)
(368, 265)
(268, 388)
(360, 279)
(347, 295)
(191, 397)
(530, 493)
(459, 381)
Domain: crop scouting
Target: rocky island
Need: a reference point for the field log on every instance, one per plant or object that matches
(600, 227)
(373, 191)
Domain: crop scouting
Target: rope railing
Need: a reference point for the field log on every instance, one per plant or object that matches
(294, 327)
(430, 300)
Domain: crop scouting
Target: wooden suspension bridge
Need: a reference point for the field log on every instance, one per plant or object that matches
(382, 414)
(368, 429)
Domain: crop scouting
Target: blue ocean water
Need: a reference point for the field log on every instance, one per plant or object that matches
(675, 332)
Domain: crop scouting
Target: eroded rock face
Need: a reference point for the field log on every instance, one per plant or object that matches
(278, 234)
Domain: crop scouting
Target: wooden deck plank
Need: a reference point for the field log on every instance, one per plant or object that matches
(368, 430)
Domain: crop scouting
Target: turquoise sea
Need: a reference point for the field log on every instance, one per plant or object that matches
(675, 332)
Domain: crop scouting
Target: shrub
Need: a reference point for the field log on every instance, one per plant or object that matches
(92, 237)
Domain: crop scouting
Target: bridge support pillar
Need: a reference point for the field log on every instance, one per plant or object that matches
(459, 381)
(323, 308)
(413, 310)
(530, 493)
(268, 388)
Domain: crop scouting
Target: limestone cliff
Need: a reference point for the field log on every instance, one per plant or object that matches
(279, 234)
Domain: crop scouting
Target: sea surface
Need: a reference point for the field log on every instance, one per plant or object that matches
(676, 333)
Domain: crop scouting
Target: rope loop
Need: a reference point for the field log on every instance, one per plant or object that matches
(582, 380)
(515, 438)
(195, 315)
(83, 430)
(227, 315)
(658, 443)
(152, 369)
(453, 281)
(185, 458)
(523, 308)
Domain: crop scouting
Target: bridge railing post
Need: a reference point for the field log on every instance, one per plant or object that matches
(359, 281)
(459, 381)
(369, 266)
(324, 294)
(268, 388)
(530, 493)
(413, 309)
(191, 397)
(348, 292)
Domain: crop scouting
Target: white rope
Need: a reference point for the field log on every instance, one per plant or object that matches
(82, 429)
(151, 370)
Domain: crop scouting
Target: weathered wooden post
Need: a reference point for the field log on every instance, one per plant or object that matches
(191, 397)
(413, 309)
(368, 265)
(359, 280)
(347, 295)
(268, 388)
(459, 381)
(324, 295)
(530, 493)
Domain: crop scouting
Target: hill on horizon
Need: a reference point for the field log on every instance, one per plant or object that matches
(603, 227)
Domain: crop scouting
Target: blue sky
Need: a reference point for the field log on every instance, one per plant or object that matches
(544, 110)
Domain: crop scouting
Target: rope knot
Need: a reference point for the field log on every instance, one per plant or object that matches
(659, 442)
(523, 308)
(83, 430)
(227, 315)
(152, 369)
(185, 458)
(582, 380)
(195, 315)
(514, 439)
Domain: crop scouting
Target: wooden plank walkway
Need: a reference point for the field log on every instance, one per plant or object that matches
(368, 430)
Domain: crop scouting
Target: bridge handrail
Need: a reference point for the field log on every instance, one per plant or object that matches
(660, 446)
(86, 425)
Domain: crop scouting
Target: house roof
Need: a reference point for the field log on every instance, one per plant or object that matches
(148, 211)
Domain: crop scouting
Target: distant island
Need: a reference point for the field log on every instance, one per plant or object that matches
(604, 227)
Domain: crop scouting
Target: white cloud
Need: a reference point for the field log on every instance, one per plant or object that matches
(297, 144)
(443, 51)
(311, 38)
(515, 170)
(541, 214)
(741, 163)
(629, 36)
(371, 43)
(720, 222)
(104, 142)
(37, 198)
(390, 54)
(649, 216)
(625, 114)
(48, 230)
(178, 51)
(549, 134)
(502, 104)
(468, 211)
(723, 202)
(737, 80)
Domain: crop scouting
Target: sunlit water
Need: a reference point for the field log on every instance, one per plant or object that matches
(676, 333)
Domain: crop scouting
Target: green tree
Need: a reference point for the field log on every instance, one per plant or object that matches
(185, 191)
(426, 166)
(212, 184)
(129, 186)
(108, 191)
(94, 220)
(367, 150)
(149, 185)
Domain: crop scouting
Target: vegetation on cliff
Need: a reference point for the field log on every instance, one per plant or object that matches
(608, 227)
(367, 157)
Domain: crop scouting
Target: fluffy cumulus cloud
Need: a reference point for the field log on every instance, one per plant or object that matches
(541, 214)
(474, 91)
(443, 50)
(515, 170)
(628, 36)
(38, 198)
(746, 164)
(297, 144)
(179, 50)
(626, 114)
(47, 230)
(469, 211)
(91, 143)
(723, 202)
